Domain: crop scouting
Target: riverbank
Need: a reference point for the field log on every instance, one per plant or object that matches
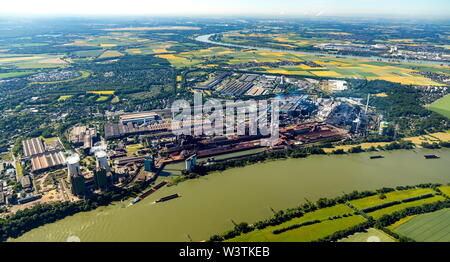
(299, 152)
(333, 219)
(210, 203)
(22, 221)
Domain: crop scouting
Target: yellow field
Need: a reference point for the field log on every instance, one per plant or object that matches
(326, 73)
(162, 50)
(272, 53)
(101, 92)
(15, 59)
(444, 136)
(307, 67)
(108, 45)
(115, 100)
(417, 140)
(445, 190)
(278, 71)
(363, 146)
(53, 61)
(135, 51)
(409, 80)
(62, 98)
(169, 57)
(401, 40)
(179, 78)
(332, 67)
(283, 39)
(381, 95)
(287, 45)
(225, 52)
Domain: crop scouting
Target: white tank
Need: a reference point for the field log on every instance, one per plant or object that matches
(102, 160)
(73, 165)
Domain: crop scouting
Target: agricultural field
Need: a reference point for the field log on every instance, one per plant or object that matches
(391, 196)
(110, 54)
(362, 145)
(372, 235)
(113, 39)
(341, 217)
(445, 190)
(89, 53)
(430, 138)
(102, 99)
(151, 48)
(321, 214)
(441, 106)
(417, 140)
(152, 28)
(62, 98)
(110, 92)
(179, 61)
(305, 233)
(15, 74)
(32, 61)
(431, 227)
(329, 67)
(281, 40)
(400, 222)
(389, 210)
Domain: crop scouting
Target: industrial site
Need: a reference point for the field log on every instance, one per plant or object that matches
(137, 146)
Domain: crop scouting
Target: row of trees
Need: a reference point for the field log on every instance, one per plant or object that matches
(281, 216)
(390, 219)
(300, 152)
(393, 203)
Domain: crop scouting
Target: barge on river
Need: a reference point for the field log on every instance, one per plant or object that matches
(149, 192)
(167, 198)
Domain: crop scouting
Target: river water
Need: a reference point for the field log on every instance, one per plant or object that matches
(208, 205)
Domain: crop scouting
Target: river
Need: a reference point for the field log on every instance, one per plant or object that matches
(208, 205)
(206, 39)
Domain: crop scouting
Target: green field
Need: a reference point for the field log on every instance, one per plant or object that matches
(372, 235)
(15, 74)
(89, 53)
(321, 214)
(341, 217)
(391, 196)
(389, 210)
(445, 190)
(442, 106)
(432, 227)
(102, 99)
(62, 98)
(305, 233)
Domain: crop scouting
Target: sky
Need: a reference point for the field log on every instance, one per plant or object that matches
(231, 7)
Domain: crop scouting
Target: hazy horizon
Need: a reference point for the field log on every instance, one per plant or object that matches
(281, 8)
